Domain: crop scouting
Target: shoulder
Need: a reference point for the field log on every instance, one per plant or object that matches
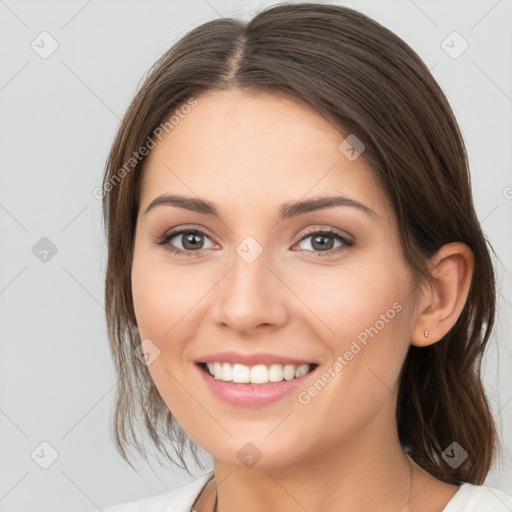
(179, 499)
(479, 498)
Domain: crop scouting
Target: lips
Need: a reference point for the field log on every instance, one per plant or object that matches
(252, 395)
(252, 359)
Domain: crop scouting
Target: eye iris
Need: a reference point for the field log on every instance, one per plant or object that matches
(194, 239)
(322, 245)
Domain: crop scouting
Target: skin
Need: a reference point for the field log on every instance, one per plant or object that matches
(248, 154)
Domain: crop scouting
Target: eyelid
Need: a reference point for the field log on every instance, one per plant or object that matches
(328, 230)
(185, 227)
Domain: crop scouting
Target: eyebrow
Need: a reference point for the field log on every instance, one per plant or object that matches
(286, 210)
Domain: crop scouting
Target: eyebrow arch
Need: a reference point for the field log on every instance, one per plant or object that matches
(286, 210)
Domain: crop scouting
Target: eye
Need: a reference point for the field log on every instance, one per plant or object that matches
(323, 242)
(189, 241)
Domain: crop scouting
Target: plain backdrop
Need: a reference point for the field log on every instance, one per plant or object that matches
(68, 70)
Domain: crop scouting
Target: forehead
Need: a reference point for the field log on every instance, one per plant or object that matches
(243, 150)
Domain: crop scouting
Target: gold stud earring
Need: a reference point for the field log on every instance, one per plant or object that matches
(426, 333)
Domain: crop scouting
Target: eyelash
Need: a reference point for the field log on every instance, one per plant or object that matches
(167, 237)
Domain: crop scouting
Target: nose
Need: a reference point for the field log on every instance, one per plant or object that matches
(252, 296)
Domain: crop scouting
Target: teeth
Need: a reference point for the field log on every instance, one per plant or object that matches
(259, 374)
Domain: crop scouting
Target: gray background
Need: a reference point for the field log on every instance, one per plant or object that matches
(58, 117)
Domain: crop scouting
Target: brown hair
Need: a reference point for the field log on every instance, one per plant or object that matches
(368, 82)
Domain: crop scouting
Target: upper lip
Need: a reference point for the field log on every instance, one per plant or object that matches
(251, 359)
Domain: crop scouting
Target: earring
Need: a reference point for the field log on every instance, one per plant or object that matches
(426, 333)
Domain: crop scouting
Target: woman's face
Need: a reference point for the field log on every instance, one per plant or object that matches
(262, 276)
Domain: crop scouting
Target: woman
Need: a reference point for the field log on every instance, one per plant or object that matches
(297, 280)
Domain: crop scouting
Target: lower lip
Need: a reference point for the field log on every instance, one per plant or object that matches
(252, 395)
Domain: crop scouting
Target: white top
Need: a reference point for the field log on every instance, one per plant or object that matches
(469, 498)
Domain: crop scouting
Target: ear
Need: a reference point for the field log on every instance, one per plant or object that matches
(442, 299)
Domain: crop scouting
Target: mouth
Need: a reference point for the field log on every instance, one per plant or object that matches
(257, 375)
(259, 385)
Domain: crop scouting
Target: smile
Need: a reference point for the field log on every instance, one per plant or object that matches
(221, 380)
(258, 374)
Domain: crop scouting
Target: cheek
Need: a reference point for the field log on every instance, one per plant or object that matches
(162, 297)
(163, 294)
(350, 299)
(169, 300)
(368, 320)
(365, 314)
